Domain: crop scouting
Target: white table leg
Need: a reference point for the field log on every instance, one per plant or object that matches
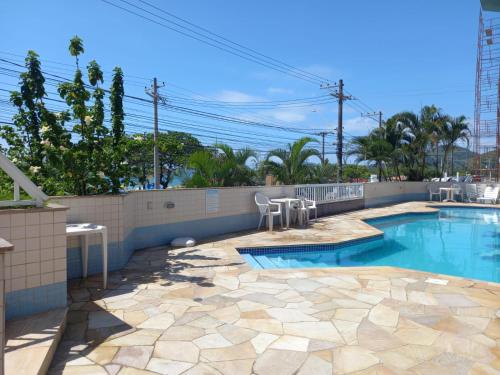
(451, 197)
(85, 254)
(287, 213)
(105, 258)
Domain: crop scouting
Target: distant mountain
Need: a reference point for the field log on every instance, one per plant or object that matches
(462, 158)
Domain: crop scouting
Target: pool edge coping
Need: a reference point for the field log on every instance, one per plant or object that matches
(428, 208)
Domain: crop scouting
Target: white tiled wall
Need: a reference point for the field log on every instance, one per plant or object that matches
(39, 239)
(121, 214)
(104, 210)
(2, 312)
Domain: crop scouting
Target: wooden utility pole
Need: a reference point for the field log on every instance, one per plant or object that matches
(341, 97)
(340, 136)
(323, 134)
(153, 92)
(156, 164)
(377, 116)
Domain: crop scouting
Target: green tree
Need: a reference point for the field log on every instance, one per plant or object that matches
(374, 149)
(204, 166)
(454, 129)
(175, 149)
(392, 133)
(118, 167)
(139, 158)
(323, 173)
(417, 138)
(221, 166)
(353, 172)
(233, 166)
(292, 165)
(38, 140)
(85, 163)
(76, 48)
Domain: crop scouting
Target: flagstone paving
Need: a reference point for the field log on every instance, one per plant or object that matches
(203, 310)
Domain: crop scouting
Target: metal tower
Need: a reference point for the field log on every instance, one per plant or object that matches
(486, 131)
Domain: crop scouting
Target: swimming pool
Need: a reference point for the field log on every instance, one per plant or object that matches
(454, 241)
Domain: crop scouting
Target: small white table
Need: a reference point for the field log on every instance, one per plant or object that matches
(449, 193)
(83, 231)
(288, 204)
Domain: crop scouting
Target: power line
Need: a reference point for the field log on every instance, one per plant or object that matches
(228, 50)
(337, 91)
(376, 116)
(210, 41)
(60, 79)
(235, 43)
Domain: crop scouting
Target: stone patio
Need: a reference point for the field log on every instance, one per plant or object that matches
(203, 310)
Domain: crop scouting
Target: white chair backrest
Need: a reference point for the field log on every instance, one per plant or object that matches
(471, 190)
(262, 202)
(433, 188)
(491, 192)
(303, 201)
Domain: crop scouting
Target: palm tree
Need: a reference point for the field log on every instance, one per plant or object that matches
(393, 134)
(437, 135)
(204, 165)
(290, 165)
(455, 129)
(417, 138)
(323, 173)
(233, 166)
(221, 166)
(373, 148)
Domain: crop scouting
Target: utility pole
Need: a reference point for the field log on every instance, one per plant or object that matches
(338, 93)
(323, 134)
(377, 116)
(153, 92)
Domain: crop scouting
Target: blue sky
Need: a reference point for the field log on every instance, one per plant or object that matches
(393, 55)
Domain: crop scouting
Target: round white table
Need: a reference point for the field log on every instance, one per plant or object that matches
(83, 230)
(449, 193)
(288, 204)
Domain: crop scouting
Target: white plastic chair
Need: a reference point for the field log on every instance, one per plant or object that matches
(309, 205)
(459, 191)
(264, 205)
(303, 211)
(490, 195)
(433, 192)
(471, 192)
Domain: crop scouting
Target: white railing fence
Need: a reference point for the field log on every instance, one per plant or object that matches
(324, 193)
(21, 181)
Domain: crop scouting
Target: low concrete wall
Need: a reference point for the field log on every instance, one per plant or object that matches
(35, 271)
(5, 248)
(385, 193)
(142, 219)
(333, 208)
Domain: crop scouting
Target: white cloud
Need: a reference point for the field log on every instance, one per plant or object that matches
(288, 115)
(279, 90)
(323, 71)
(359, 125)
(232, 96)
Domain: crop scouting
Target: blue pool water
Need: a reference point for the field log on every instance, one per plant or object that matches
(455, 241)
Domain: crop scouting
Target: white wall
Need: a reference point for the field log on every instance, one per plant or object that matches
(39, 239)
